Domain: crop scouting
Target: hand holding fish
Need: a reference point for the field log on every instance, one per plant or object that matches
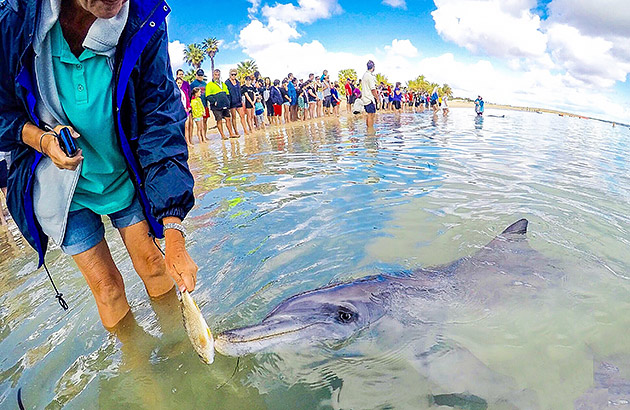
(179, 264)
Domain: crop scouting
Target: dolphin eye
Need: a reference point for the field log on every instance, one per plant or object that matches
(345, 316)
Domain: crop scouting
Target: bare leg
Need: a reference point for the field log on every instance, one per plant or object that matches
(220, 129)
(250, 120)
(233, 121)
(204, 127)
(228, 124)
(188, 131)
(147, 259)
(370, 120)
(3, 221)
(105, 282)
(199, 131)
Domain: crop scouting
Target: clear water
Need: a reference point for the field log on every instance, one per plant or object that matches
(296, 209)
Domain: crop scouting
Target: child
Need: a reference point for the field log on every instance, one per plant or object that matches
(197, 111)
(301, 104)
(335, 100)
(260, 112)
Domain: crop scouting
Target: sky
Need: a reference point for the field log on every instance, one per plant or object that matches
(569, 55)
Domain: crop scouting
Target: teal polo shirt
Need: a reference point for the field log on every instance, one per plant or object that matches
(84, 86)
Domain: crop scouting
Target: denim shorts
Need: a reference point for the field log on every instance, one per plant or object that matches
(85, 230)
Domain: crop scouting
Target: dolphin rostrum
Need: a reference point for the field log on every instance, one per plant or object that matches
(337, 312)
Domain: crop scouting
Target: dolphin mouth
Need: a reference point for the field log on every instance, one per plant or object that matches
(252, 339)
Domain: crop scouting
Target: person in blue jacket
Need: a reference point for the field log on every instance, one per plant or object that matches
(479, 106)
(101, 69)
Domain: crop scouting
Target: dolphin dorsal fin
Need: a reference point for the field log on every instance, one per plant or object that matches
(519, 227)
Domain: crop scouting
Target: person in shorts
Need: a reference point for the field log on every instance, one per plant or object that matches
(198, 110)
(276, 100)
(236, 102)
(201, 83)
(131, 162)
(260, 112)
(217, 96)
(369, 93)
(249, 94)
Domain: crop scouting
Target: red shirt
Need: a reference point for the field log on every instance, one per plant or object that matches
(348, 89)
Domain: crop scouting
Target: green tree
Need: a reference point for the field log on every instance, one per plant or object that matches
(245, 68)
(210, 47)
(380, 78)
(418, 84)
(347, 73)
(446, 90)
(190, 75)
(194, 56)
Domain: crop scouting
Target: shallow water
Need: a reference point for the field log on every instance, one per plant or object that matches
(295, 209)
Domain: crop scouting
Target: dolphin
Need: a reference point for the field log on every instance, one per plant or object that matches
(505, 266)
(415, 308)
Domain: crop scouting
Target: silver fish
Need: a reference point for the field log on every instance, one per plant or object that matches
(197, 329)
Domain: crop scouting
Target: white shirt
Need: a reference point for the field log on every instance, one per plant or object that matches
(368, 83)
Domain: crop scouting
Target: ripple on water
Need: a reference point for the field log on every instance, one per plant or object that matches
(290, 210)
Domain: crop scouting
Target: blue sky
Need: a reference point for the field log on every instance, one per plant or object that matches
(571, 55)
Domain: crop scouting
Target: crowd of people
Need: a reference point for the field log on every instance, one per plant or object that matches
(258, 102)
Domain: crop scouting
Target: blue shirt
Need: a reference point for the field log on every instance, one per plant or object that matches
(84, 86)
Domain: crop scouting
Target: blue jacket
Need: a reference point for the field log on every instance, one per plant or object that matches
(235, 93)
(146, 106)
(275, 96)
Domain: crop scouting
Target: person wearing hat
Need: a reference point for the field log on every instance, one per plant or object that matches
(200, 82)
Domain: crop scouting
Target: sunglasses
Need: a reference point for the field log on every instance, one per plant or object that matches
(233, 74)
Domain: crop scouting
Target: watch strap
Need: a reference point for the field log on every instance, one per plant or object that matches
(177, 227)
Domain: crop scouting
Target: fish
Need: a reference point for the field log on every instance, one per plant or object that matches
(197, 329)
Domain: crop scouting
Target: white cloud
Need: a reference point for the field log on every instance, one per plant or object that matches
(402, 48)
(271, 45)
(253, 9)
(551, 64)
(586, 58)
(402, 4)
(603, 17)
(176, 54)
(307, 11)
(493, 27)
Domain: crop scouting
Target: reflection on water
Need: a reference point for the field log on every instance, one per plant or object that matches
(294, 209)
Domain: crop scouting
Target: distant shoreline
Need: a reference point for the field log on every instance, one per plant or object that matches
(457, 103)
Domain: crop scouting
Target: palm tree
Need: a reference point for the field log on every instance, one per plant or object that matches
(194, 56)
(446, 90)
(418, 84)
(210, 47)
(347, 73)
(245, 68)
(190, 75)
(380, 78)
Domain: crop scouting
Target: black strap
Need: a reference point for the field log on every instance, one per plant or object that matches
(58, 295)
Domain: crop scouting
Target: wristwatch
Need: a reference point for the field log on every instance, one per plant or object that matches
(177, 227)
